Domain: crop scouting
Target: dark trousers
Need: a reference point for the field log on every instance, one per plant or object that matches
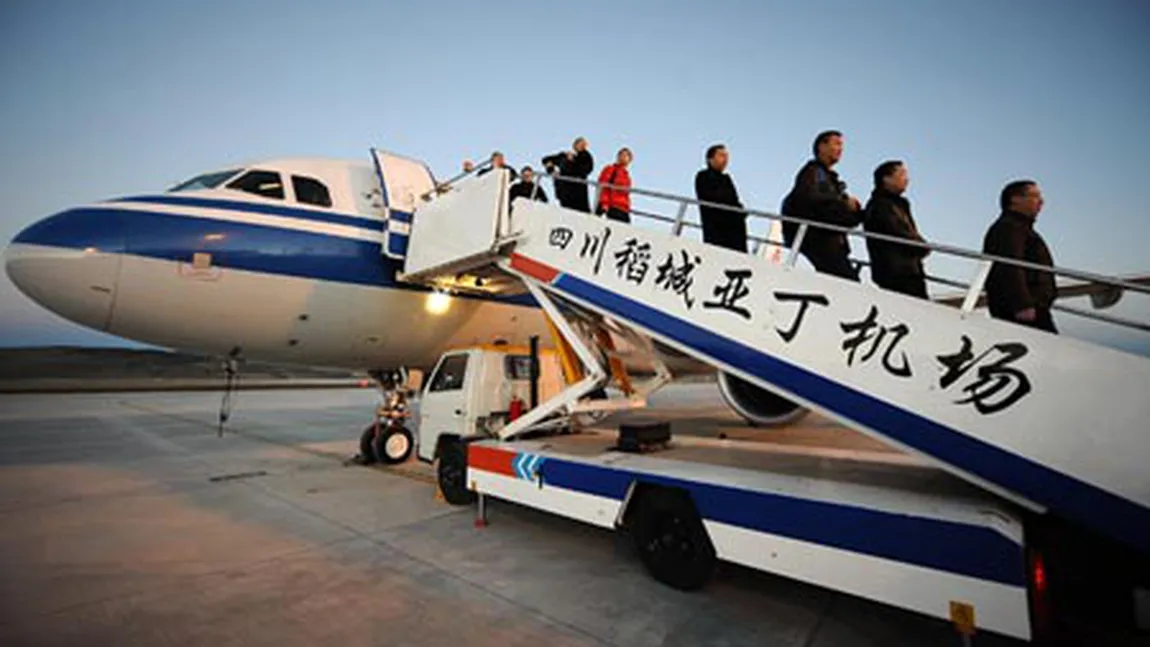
(833, 263)
(572, 196)
(729, 232)
(912, 285)
(1043, 321)
(619, 215)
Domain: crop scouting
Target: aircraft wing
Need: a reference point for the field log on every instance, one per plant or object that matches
(1101, 296)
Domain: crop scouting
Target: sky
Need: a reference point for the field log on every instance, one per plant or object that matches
(122, 97)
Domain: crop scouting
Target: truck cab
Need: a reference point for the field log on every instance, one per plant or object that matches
(470, 392)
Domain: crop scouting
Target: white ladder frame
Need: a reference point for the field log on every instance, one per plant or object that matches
(597, 376)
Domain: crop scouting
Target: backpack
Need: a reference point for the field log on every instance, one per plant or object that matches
(791, 229)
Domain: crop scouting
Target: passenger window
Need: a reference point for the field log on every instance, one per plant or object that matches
(450, 375)
(262, 183)
(310, 191)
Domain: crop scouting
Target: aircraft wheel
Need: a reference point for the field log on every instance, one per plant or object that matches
(393, 446)
(366, 445)
(672, 542)
(589, 418)
(451, 472)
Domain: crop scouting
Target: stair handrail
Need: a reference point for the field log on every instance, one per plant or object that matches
(974, 290)
(939, 247)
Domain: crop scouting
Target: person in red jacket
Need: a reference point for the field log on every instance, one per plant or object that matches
(616, 203)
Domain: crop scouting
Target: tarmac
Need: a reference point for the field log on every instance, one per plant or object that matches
(127, 521)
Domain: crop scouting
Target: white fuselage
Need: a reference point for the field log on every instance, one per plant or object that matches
(212, 268)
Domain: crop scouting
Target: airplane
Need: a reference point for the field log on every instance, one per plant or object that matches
(284, 259)
(296, 260)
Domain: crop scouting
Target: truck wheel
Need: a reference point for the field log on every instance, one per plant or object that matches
(366, 445)
(672, 541)
(393, 445)
(451, 472)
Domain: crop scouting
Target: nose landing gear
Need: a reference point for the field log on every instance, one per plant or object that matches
(387, 440)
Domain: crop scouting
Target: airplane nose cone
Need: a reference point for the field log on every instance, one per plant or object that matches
(69, 263)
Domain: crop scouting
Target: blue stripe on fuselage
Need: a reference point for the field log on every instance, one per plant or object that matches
(235, 245)
(99, 229)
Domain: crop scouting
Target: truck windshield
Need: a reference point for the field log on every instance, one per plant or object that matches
(205, 181)
(450, 375)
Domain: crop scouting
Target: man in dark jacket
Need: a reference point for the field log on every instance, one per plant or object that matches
(722, 227)
(819, 195)
(526, 187)
(893, 266)
(1013, 293)
(575, 163)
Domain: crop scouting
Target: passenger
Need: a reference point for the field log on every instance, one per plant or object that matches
(820, 196)
(1014, 293)
(468, 166)
(893, 266)
(526, 187)
(575, 163)
(722, 227)
(497, 161)
(616, 203)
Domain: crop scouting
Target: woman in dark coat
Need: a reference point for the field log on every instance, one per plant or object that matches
(893, 266)
(722, 227)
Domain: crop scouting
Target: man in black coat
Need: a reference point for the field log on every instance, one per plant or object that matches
(820, 196)
(526, 187)
(722, 227)
(893, 266)
(1013, 293)
(575, 163)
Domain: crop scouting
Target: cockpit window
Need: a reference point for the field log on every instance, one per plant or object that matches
(262, 183)
(310, 191)
(205, 181)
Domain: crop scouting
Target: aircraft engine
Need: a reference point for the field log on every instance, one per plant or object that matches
(759, 407)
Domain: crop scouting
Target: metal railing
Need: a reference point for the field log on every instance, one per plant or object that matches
(444, 186)
(973, 290)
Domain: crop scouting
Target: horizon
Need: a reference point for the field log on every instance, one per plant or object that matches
(970, 97)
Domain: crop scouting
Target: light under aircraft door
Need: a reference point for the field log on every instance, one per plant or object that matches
(402, 181)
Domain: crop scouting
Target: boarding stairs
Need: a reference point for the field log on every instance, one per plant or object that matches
(1049, 422)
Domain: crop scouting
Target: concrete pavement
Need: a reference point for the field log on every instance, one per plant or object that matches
(124, 520)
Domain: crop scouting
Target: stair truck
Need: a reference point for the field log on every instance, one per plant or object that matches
(1027, 510)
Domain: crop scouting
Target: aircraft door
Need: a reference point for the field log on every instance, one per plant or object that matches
(443, 409)
(402, 181)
